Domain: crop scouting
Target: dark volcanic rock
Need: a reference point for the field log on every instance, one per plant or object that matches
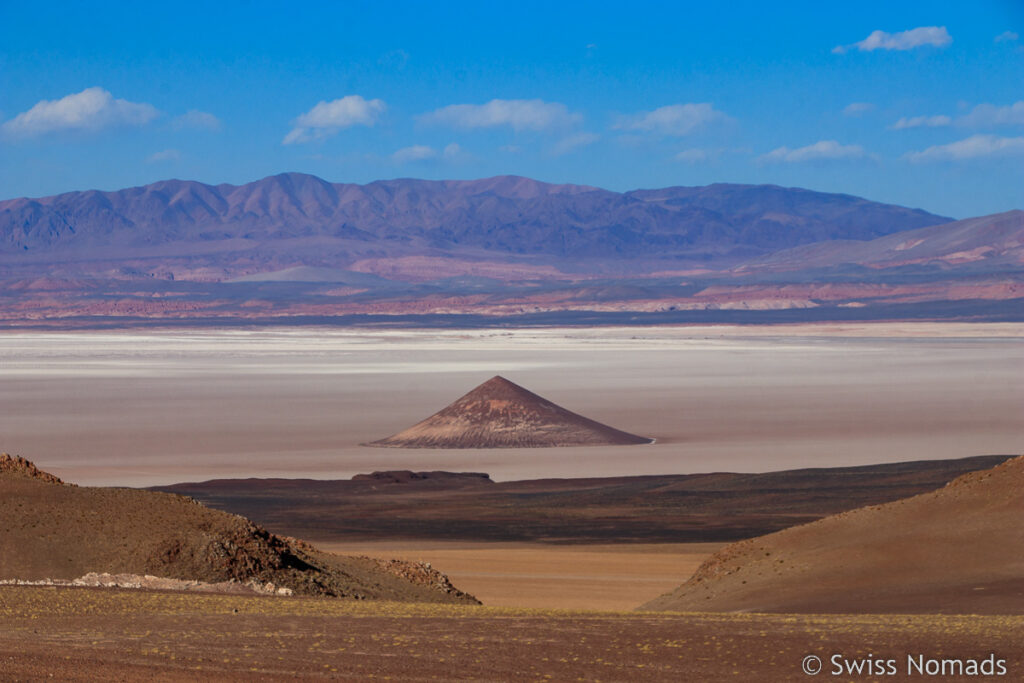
(407, 476)
(668, 508)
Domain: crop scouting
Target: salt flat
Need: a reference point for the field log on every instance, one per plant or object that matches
(156, 407)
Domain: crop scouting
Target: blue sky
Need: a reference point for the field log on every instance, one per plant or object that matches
(915, 103)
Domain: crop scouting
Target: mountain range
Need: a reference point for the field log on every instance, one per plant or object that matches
(295, 247)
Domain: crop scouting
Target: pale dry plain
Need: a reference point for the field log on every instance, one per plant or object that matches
(542, 576)
(157, 407)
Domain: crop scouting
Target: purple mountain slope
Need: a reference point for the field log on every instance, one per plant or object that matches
(987, 242)
(294, 247)
(503, 216)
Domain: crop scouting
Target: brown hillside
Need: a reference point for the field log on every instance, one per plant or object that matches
(959, 549)
(500, 414)
(53, 530)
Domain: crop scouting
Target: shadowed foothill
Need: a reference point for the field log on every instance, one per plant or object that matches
(470, 507)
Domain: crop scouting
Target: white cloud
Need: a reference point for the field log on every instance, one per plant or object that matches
(937, 36)
(674, 119)
(327, 118)
(1007, 37)
(709, 155)
(566, 145)
(921, 122)
(858, 108)
(974, 147)
(989, 115)
(693, 156)
(90, 110)
(426, 153)
(819, 151)
(414, 153)
(194, 118)
(518, 114)
(164, 155)
(981, 116)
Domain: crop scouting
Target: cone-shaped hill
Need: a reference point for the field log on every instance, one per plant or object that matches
(52, 530)
(500, 414)
(957, 550)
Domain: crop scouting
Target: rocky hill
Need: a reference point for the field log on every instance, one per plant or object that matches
(501, 414)
(959, 549)
(17, 466)
(55, 531)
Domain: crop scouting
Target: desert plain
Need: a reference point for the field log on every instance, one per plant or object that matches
(143, 408)
(87, 635)
(159, 407)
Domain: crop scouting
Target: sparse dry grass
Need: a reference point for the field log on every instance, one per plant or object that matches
(94, 634)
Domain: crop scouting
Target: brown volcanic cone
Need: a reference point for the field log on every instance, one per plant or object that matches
(500, 414)
(51, 530)
(959, 549)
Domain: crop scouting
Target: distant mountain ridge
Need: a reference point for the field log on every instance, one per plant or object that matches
(504, 214)
(996, 240)
(293, 248)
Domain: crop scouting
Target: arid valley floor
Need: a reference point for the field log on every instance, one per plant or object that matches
(159, 408)
(150, 408)
(88, 635)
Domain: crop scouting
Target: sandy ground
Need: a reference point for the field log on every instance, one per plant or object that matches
(601, 577)
(145, 408)
(82, 634)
